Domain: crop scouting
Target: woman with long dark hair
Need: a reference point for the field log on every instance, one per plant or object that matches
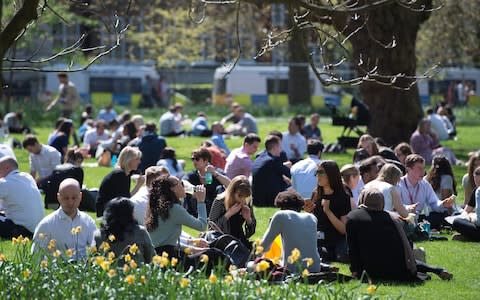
(469, 227)
(62, 137)
(468, 180)
(121, 231)
(166, 215)
(440, 176)
(330, 204)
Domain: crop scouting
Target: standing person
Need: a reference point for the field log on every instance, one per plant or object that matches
(330, 204)
(293, 143)
(148, 90)
(21, 200)
(269, 175)
(312, 131)
(303, 172)
(468, 181)
(469, 227)
(165, 214)
(62, 223)
(117, 182)
(67, 96)
(120, 223)
(232, 211)
(43, 159)
(239, 162)
(297, 230)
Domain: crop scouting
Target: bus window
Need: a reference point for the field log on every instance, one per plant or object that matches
(277, 86)
(115, 85)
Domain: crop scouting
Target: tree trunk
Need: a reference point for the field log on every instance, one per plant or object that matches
(395, 112)
(298, 75)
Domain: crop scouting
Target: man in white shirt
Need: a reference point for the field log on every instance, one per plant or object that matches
(238, 161)
(21, 199)
(303, 172)
(43, 159)
(438, 125)
(71, 229)
(293, 143)
(93, 137)
(417, 193)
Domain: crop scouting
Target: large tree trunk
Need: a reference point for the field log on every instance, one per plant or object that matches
(395, 112)
(298, 76)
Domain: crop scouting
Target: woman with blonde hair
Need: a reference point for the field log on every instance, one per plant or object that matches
(368, 143)
(351, 179)
(117, 183)
(232, 211)
(386, 182)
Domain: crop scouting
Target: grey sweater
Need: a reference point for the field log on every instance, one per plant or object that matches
(168, 231)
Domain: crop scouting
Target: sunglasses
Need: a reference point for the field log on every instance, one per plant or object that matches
(320, 173)
(476, 173)
(195, 158)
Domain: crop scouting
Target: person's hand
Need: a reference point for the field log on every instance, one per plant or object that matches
(247, 214)
(287, 180)
(412, 207)
(309, 206)
(326, 205)
(288, 164)
(210, 169)
(200, 243)
(200, 193)
(233, 210)
(448, 202)
(140, 180)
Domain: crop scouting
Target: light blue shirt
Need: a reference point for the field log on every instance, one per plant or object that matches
(477, 206)
(303, 172)
(218, 140)
(107, 115)
(422, 193)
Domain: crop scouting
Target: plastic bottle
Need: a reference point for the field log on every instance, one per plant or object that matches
(208, 178)
(188, 187)
(114, 160)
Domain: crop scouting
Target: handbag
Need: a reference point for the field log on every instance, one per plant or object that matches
(235, 251)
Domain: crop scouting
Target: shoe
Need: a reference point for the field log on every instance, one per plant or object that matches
(445, 275)
(459, 237)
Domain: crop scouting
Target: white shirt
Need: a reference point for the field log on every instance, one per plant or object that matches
(45, 162)
(21, 199)
(58, 226)
(298, 140)
(422, 193)
(92, 138)
(140, 203)
(386, 189)
(303, 172)
(438, 126)
(5, 150)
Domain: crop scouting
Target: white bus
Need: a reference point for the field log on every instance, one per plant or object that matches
(267, 85)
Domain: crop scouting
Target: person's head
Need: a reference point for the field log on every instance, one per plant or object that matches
(290, 200)
(402, 150)
(476, 176)
(424, 126)
(390, 174)
(294, 125)
(74, 156)
(113, 125)
(201, 158)
(217, 127)
(178, 107)
(440, 166)
(30, 142)
(273, 145)
(129, 159)
(59, 122)
(368, 143)
(138, 120)
(328, 175)
(239, 112)
(19, 115)
(66, 127)
(250, 143)
(429, 110)
(118, 218)
(62, 77)
(234, 106)
(350, 175)
(150, 127)
(238, 191)
(370, 167)
(165, 192)
(100, 126)
(130, 130)
(415, 165)
(7, 165)
(472, 164)
(314, 147)
(154, 172)
(277, 134)
(372, 199)
(69, 196)
(314, 119)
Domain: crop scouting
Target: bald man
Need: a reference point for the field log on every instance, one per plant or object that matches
(21, 200)
(68, 226)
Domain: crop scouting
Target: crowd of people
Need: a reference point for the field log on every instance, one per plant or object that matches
(353, 214)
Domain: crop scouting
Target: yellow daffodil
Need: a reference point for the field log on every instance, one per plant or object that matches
(111, 256)
(164, 254)
(156, 260)
(25, 241)
(184, 282)
(69, 252)
(308, 261)
(130, 279)
(133, 249)
(232, 268)
(105, 246)
(56, 253)
(125, 268)
(76, 230)
(92, 250)
(295, 255)
(99, 260)
(305, 273)
(105, 265)
(3, 257)
(127, 258)
(111, 238)
(133, 264)
(212, 278)
(164, 262)
(143, 279)
(42, 236)
(174, 261)
(26, 273)
(228, 279)
(204, 258)
(262, 266)
(371, 289)
(44, 264)
(187, 251)
(111, 273)
(14, 241)
(258, 250)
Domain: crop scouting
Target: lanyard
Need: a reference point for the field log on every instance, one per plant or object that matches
(414, 197)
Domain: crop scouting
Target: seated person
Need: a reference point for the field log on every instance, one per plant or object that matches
(200, 125)
(60, 224)
(13, 121)
(468, 180)
(232, 211)
(168, 159)
(297, 230)
(312, 131)
(441, 177)
(119, 223)
(377, 243)
(293, 142)
(95, 136)
(469, 226)
(246, 124)
(21, 200)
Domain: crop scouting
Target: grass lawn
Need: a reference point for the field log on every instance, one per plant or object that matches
(458, 257)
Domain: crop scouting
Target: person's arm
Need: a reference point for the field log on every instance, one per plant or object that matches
(446, 186)
(353, 248)
(138, 184)
(219, 216)
(339, 224)
(251, 224)
(224, 180)
(397, 203)
(182, 217)
(273, 230)
(148, 249)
